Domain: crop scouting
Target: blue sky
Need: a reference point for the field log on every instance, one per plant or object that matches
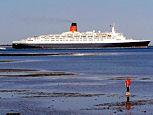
(24, 18)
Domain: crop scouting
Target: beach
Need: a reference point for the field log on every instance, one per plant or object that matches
(76, 82)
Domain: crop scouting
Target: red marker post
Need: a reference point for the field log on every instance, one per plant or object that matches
(127, 84)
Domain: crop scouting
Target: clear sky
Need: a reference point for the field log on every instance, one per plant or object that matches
(24, 18)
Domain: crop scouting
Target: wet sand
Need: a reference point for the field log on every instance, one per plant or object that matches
(31, 73)
(17, 70)
(59, 54)
(2, 61)
(35, 54)
(29, 91)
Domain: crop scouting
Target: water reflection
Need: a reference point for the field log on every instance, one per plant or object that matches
(128, 104)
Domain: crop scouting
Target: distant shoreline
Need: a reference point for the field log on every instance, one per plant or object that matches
(7, 45)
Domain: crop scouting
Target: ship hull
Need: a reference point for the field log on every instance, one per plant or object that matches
(82, 45)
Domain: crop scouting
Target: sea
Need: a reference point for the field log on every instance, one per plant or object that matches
(113, 62)
(96, 71)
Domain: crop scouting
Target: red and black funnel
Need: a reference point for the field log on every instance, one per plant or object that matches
(73, 27)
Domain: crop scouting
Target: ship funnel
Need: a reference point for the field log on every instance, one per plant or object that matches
(73, 27)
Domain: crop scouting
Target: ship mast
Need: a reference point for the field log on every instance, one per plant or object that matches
(113, 28)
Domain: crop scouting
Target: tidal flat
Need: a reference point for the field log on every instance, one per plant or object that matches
(87, 82)
(66, 93)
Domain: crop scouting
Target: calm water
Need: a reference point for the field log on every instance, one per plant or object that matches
(89, 62)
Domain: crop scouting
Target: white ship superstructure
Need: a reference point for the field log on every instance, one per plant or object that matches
(75, 39)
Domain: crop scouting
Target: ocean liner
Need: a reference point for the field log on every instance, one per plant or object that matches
(80, 40)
